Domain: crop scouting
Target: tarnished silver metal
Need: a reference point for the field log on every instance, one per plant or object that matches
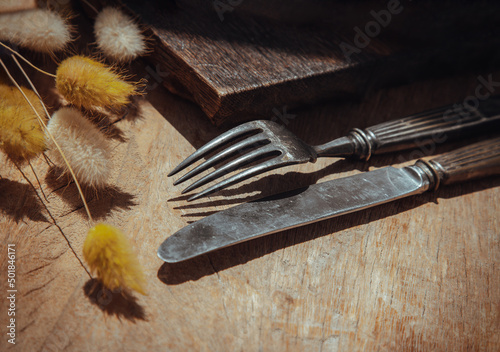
(273, 142)
(266, 139)
(317, 202)
(329, 199)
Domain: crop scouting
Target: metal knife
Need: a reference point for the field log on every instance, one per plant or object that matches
(329, 199)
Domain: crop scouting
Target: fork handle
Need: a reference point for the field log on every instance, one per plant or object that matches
(430, 127)
(474, 161)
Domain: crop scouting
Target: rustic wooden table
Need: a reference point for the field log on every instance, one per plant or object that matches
(418, 274)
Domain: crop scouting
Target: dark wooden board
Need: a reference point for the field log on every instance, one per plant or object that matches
(248, 64)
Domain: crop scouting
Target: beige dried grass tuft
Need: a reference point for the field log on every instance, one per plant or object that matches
(118, 36)
(40, 30)
(85, 147)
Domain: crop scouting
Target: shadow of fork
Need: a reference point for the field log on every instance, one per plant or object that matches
(271, 184)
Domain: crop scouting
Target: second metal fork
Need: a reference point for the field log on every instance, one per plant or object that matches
(272, 141)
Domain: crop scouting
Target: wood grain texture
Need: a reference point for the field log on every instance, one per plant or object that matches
(17, 5)
(420, 274)
(243, 63)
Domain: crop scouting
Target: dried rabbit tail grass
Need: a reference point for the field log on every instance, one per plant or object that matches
(85, 147)
(21, 135)
(110, 257)
(87, 83)
(118, 36)
(40, 30)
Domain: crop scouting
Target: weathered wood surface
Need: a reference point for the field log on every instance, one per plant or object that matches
(419, 274)
(16, 5)
(233, 63)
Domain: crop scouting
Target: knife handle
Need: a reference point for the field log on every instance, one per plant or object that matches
(433, 126)
(475, 161)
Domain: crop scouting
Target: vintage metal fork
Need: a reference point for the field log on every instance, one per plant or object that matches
(272, 141)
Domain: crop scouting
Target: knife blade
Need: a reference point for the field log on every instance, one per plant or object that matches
(327, 200)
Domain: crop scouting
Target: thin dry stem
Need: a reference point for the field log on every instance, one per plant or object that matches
(53, 220)
(45, 128)
(27, 61)
(91, 6)
(33, 88)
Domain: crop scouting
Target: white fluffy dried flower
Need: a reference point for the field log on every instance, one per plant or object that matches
(40, 30)
(118, 36)
(83, 145)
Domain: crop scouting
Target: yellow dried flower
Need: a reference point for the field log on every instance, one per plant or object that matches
(109, 255)
(87, 83)
(21, 136)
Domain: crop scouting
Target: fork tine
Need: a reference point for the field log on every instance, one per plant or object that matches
(233, 165)
(258, 169)
(226, 153)
(214, 143)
